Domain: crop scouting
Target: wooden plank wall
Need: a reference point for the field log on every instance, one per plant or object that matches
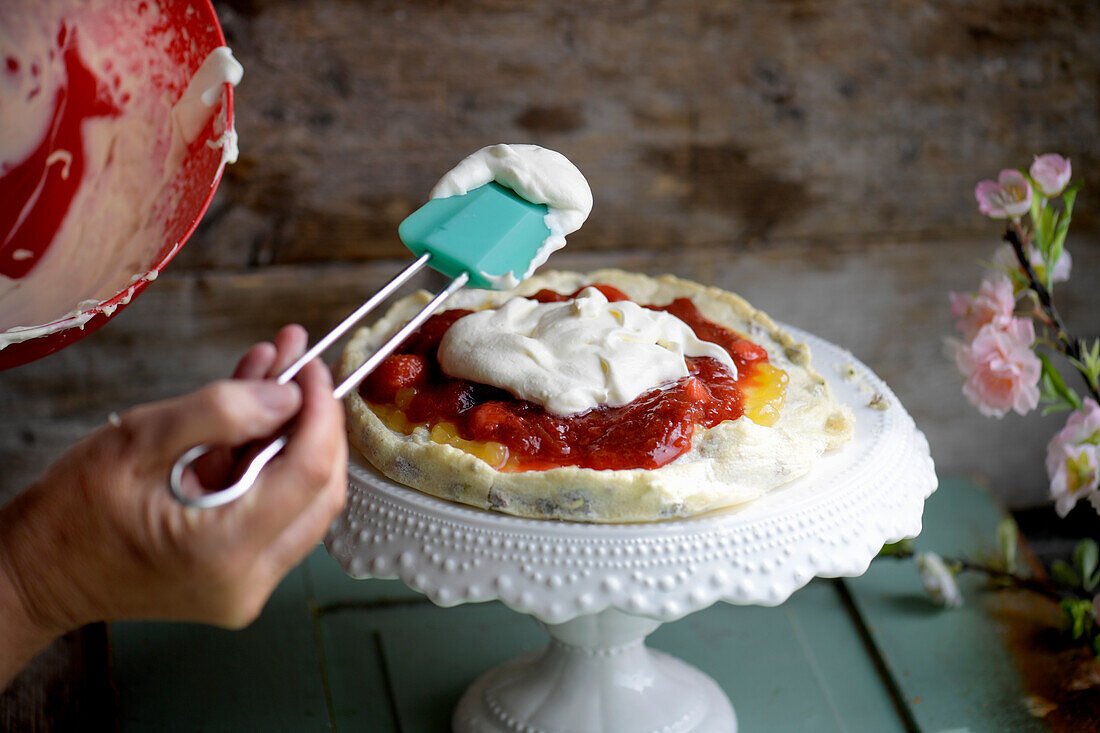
(818, 157)
(699, 122)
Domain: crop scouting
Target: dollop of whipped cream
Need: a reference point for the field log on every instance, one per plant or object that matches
(575, 355)
(541, 176)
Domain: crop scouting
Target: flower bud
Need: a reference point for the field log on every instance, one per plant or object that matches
(938, 581)
(1051, 173)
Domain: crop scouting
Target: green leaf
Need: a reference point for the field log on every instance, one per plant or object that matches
(1053, 389)
(1048, 396)
(1058, 240)
(1037, 199)
(1053, 408)
(1079, 615)
(1086, 556)
(1062, 572)
(1044, 230)
(1089, 366)
(1008, 536)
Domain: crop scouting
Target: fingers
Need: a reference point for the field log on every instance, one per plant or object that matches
(315, 456)
(263, 361)
(227, 412)
(319, 429)
(267, 360)
(308, 528)
(290, 343)
(256, 362)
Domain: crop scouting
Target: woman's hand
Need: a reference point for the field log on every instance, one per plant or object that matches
(99, 536)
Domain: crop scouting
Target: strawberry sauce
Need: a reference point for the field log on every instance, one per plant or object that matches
(650, 432)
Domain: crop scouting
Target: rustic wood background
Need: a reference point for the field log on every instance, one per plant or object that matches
(818, 157)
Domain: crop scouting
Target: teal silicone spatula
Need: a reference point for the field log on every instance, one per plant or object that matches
(476, 238)
(486, 234)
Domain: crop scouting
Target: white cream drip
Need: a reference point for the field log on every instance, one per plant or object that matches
(541, 176)
(65, 158)
(572, 356)
(205, 93)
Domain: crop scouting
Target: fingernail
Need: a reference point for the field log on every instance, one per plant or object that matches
(276, 397)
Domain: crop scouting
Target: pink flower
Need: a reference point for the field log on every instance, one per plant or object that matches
(1061, 268)
(1008, 196)
(1000, 369)
(1051, 173)
(1004, 259)
(1073, 459)
(993, 303)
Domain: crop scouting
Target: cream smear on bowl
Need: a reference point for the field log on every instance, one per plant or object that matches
(122, 157)
(541, 176)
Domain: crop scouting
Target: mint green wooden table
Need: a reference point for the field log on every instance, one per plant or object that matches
(331, 653)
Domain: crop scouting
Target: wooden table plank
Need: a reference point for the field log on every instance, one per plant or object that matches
(430, 656)
(187, 677)
(799, 667)
(391, 661)
(844, 667)
(357, 675)
(824, 678)
(951, 666)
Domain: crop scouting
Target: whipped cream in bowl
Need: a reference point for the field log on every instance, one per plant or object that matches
(121, 123)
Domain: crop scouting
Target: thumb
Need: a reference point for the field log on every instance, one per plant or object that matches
(226, 412)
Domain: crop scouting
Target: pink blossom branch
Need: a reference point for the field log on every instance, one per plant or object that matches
(1068, 345)
(1040, 586)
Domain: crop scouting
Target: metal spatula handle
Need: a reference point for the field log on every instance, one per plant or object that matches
(248, 478)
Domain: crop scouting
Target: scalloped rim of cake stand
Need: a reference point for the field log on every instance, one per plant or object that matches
(830, 522)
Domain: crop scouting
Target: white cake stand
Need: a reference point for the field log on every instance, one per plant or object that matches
(599, 590)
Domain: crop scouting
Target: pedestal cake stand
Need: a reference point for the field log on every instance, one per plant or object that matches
(599, 590)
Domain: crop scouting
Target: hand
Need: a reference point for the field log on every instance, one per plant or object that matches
(99, 536)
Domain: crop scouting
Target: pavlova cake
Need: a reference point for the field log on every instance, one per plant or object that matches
(606, 397)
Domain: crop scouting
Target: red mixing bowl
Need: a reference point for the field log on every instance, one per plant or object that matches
(197, 34)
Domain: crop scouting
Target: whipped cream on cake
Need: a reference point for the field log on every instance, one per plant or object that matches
(541, 176)
(573, 356)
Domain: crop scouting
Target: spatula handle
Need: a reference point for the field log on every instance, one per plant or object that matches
(247, 480)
